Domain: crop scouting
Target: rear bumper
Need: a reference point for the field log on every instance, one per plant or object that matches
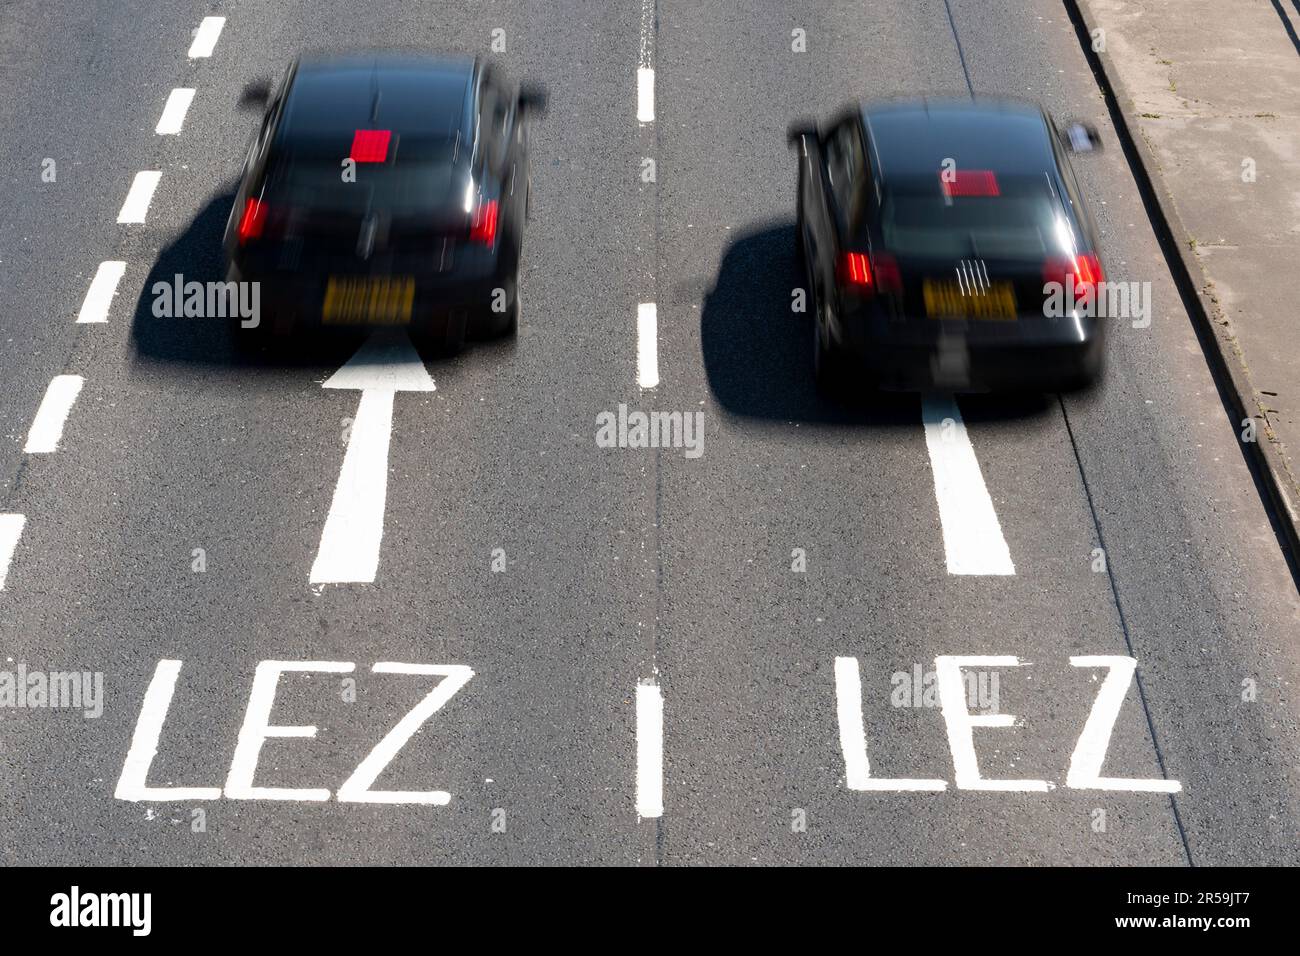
(295, 302)
(1031, 353)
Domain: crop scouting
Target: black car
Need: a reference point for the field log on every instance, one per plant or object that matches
(386, 189)
(931, 233)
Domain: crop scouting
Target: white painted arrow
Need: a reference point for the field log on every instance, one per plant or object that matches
(349, 545)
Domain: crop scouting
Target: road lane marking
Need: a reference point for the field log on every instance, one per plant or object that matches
(961, 724)
(173, 114)
(205, 37)
(94, 307)
(11, 529)
(645, 95)
(133, 784)
(1090, 752)
(356, 789)
(139, 196)
(972, 537)
(853, 736)
(257, 729)
(647, 345)
(354, 529)
(645, 74)
(649, 751)
(47, 426)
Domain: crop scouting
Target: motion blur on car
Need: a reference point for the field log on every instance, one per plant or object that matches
(386, 189)
(947, 246)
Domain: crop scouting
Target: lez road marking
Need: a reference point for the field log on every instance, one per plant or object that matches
(205, 37)
(139, 196)
(132, 784)
(649, 751)
(349, 544)
(356, 789)
(11, 529)
(256, 729)
(1090, 751)
(853, 736)
(961, 724)
(647, 345)
(94, 307)
(1083, 772)
(972, 537)
(173, 114)
(47, 427)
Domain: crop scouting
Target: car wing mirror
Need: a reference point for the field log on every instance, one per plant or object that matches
(800, 130)
(256, 94)
(1081, 138)
(532, 99)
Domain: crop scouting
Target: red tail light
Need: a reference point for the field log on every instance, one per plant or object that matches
(1083, 271)
(855, 270)
(252, 221)
(483, 228)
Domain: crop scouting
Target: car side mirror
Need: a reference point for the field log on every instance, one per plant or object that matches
(256, 94)
(532, 99)
(1081, 138)
(800, 130)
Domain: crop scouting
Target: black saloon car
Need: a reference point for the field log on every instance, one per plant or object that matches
(386, 189)
(934, 234)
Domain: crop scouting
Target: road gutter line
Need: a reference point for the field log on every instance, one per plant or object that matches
(136, 206)
(11, 529)
(94, 307)
(649, 750)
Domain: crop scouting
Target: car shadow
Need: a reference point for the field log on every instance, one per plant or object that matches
(757, 352)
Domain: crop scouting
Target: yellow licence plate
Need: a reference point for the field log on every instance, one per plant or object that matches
(373, 300)
(944, 300)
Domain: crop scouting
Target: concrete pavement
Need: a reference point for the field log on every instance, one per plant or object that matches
(1214, 99)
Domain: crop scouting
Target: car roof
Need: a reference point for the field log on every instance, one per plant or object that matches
(915, 137)
(419, 96)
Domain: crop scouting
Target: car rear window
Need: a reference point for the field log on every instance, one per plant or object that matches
(1020, 222)
(416, 177)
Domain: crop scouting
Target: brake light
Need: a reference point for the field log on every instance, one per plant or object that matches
(370, 145)
(969, 182)
(855, 270)
(1082, 273)
(483, 228)
(252, 221)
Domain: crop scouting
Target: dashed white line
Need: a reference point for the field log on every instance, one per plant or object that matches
(647, 345)
(94, 307)
(140, 195)
(205, 37)
(645, 95)
(47, 426)
(649, 751)
(173, 114)
(972, 537)
(11, 529)
(645, 74)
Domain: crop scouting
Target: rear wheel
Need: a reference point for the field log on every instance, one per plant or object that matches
(829, 365)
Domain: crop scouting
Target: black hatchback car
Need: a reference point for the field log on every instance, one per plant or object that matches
(946, 245)
(386, 189)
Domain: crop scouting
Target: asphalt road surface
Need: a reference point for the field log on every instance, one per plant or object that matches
(781, 595)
